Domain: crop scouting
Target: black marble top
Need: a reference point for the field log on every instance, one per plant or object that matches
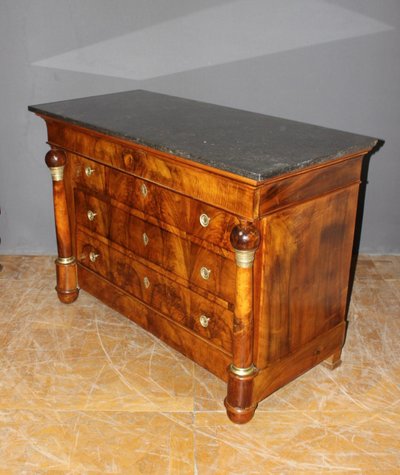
(252, 145)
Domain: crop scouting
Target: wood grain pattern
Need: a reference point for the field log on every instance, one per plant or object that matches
(165, 206)
(166, 296)
(67, 286)
(158, 265)
(56, 159)
(282, 371)
(304, 272)
(224, 190)
(245, 239)
(308, 184)
(163, 248)
(183, 340)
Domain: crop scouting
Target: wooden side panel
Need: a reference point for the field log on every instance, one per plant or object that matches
(290, 367)
(304, 268)
(309, 184)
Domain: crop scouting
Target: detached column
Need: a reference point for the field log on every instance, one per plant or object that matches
(67, 283)
(245, 239)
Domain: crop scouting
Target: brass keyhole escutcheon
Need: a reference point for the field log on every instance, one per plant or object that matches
(91, 215)
(205, 273)
(145, 239)
(146, 282)
(143, 189)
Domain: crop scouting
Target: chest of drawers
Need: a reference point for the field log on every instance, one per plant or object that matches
(225, 233)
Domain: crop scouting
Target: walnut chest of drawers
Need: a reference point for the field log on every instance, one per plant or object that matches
(227, 234)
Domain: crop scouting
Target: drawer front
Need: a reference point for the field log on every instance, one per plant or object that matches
(204, 318)
(206, 269)
(191, 216)
(92, 213)
(87, 173)
(236, 194)
(144, 239)
(213, 273)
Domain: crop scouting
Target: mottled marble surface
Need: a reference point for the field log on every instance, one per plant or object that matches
(84, 390)
(253, 145)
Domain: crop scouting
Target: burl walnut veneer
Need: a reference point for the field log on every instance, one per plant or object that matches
(228, 234)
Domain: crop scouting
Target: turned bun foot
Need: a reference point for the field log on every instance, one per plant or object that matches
(66, 296)
(238, 415)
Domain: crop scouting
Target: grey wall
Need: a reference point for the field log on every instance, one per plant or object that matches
(334, 63)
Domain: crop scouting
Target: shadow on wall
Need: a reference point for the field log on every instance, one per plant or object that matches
(359, 218)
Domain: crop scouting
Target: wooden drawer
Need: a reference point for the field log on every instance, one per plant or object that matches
(212, 272)
(203, 268)
(87, 173)
(204, 318)
(198, 219)
(195, 218)
(232, 193)
(144, 239)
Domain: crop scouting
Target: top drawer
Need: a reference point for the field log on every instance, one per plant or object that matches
(235, 194)
(194, 217)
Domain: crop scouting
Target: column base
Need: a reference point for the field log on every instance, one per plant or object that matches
(66, 296)
(67, 281)
(239, 415)
(239, 403)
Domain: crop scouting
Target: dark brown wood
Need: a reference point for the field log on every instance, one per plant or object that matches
(245, 239)
(55, 158)
(170, 243)
(239, 402)
(67, 286)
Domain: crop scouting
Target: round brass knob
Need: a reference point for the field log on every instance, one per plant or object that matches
(145, 239)
(204, 220)
(91, 215)
(205, 273)
(146, 282)
(204, 321)
(143, 189)
(89, 171)
(93, 256)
